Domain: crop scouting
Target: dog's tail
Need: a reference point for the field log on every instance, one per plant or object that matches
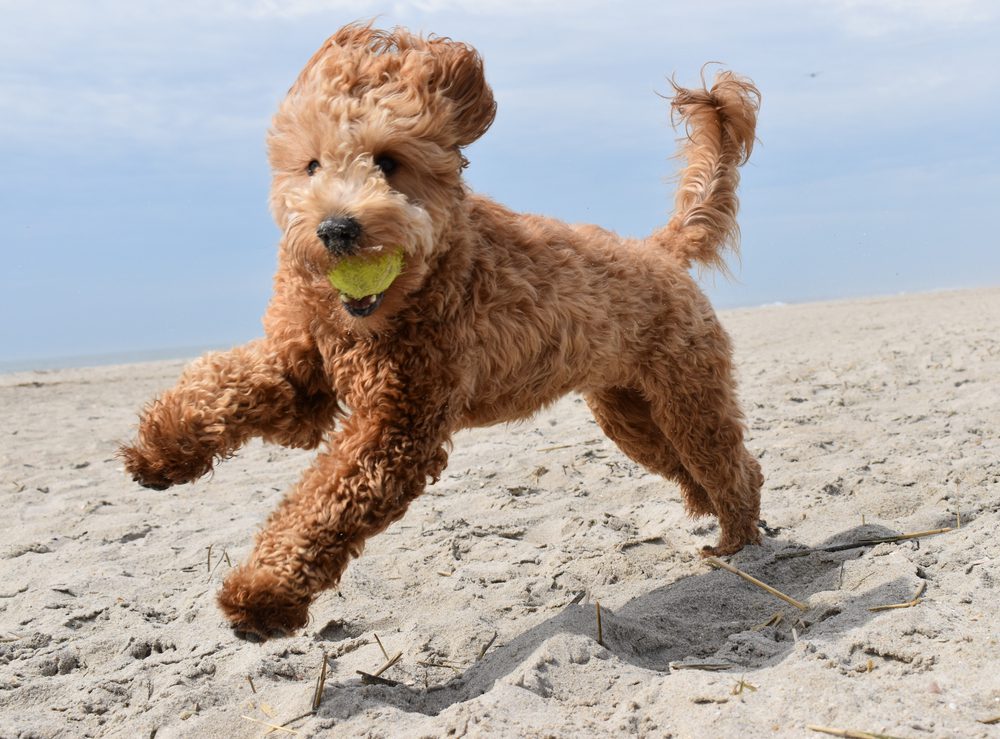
(719, 124)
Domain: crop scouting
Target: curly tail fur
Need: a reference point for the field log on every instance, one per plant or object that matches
(720, 124)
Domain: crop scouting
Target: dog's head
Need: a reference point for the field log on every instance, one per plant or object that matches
(366, 153)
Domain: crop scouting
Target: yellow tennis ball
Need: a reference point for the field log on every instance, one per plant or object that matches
(364, 275)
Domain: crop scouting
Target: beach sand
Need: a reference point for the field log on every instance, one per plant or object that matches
(870, 417)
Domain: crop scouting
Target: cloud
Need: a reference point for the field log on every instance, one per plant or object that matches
(66, 117)
(369, 8)
(874, 18)
(160, 71)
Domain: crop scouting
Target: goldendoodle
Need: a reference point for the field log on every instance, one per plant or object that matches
(494, 315)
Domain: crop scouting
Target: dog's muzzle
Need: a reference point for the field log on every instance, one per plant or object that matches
(363, 307)
(340, 235)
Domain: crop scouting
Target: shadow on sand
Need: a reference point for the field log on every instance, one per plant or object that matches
(655, 629)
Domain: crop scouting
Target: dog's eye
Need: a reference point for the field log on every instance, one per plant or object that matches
(387, 164)
(312, 167)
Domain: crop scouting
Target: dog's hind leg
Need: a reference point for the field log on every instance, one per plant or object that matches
(695, 407)
(624, 415)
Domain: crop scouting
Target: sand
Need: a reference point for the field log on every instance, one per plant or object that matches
(870, 417)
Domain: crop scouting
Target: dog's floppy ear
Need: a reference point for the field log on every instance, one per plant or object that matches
(459, 77)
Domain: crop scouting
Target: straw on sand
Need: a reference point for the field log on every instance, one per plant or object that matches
(370, 678)
(908, 604)
(707, 666)
(865, 543)
(849, 733)
(307, 714)
(320, 684)
(270, 726)
(380, 646)
(486, 647)
(716, 562)
(776, 619)
(223, 558)
(432, 663)
(389, 663)
(554, 448)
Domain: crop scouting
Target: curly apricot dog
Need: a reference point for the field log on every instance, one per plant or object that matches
(495, 315)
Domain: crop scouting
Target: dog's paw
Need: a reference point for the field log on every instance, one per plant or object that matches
(147, 472)
(259, 608)
(719, 550)
(158, 471)
(732, 544)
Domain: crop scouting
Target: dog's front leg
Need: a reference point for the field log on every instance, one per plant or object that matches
(224, 399)
(378, 463)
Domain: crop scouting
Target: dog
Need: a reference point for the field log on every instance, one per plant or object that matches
(494, 316)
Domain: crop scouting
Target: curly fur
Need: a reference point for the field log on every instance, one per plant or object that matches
(496, 315)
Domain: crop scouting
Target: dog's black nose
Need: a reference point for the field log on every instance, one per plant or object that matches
(340, 234)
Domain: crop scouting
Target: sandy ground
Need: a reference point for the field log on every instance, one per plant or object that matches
(871, 418)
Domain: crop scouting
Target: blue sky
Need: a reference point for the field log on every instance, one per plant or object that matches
(133, 209)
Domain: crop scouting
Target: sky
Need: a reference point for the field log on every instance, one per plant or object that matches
(133, 175)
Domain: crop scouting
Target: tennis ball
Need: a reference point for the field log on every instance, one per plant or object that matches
(364, 275)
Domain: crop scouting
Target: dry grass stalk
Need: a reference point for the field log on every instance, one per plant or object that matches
(388, 664)
(554, 448)
(716, 562)
(908, 604)
(307, 714)
(429, 663)
(369, 679)
(252, 688)
(272, 727)
(917, 534)
(486, 648)
(707, 666)
(600, 630)
(743, 685)
(320, 684)
(223, 558)
(384, 653)
(291, 721)
(208, 564)
(990, 721)
(852, 734)
(865, 543)
(776, 619)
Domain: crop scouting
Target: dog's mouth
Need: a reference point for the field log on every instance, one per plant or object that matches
(362, 307)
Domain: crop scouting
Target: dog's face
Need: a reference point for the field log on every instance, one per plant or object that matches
(366, 154)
